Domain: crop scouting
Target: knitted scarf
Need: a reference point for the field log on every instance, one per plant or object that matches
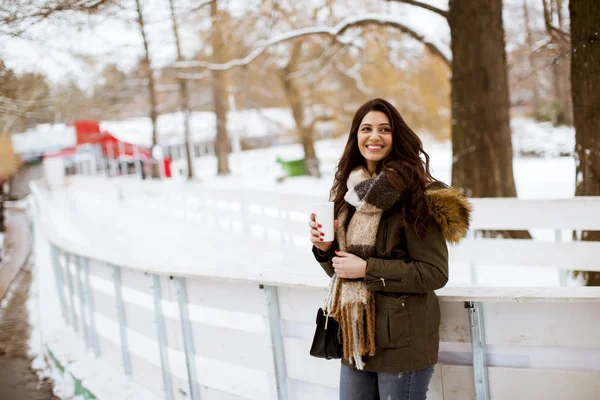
(348, 301)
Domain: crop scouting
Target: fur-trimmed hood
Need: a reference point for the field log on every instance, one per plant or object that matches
(450, 209)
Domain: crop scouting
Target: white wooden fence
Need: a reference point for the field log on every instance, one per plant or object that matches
(242, 331)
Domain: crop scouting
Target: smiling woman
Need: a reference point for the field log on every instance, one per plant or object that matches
(388, 256)
(375, 138)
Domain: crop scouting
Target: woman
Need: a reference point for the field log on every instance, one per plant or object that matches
(389, 255)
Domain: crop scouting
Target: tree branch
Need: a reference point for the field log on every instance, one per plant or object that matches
(200, 6)
(351, 22)
(557, 34)
(426, 6)
(15, 19)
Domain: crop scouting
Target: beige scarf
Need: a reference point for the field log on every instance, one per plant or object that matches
(348, 301)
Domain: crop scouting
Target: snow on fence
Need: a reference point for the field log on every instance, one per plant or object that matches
(237, 332)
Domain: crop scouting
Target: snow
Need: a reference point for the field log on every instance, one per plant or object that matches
(541, 138)
(547, 177)
(44, 138)
(249, 123)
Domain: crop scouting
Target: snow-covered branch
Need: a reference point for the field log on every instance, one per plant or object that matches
(402, 24)
(193, 76)
(426, 6)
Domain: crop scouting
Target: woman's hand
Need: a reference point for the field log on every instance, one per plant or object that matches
(316, 236)
(348, 265)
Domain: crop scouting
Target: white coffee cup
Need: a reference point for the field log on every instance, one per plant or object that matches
(324, 216)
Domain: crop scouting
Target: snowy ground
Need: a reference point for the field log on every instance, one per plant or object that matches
(536, 177)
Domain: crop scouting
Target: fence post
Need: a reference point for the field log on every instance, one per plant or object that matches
(162, 337)
(480, 372)
(59, 280)
(91, 308)
(188, 339)
(71, 291)
(122, 320)
(82, 303)
(272, 300)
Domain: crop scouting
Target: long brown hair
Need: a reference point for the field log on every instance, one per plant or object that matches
(403, 167)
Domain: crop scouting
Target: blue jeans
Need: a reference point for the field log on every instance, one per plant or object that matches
(366, 385)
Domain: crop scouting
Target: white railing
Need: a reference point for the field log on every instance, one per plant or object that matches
(281, 218)
(190, 329)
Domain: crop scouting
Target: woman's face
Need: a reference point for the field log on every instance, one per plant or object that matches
(375, 138)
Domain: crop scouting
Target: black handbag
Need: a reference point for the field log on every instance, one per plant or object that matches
(327, 340)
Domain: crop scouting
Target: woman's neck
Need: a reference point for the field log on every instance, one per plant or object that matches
(371, 167)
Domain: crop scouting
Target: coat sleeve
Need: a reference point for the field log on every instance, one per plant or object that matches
(324, 258)
(427, 269)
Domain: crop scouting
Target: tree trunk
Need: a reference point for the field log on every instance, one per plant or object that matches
(561, 74)
(2, 220)
(222, 141)
(585, 83)
(481, 136)
(149, 74)
(532, 63)
(184, 100)
(293, 96)
(151, 84)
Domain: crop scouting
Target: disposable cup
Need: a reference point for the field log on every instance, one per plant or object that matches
(324, 216)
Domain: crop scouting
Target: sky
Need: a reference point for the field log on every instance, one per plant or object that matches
(78, 47)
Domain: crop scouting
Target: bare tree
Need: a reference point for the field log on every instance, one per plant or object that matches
(295, 100)
(532, 62)
(334, 32)
(585, 84)
(218, 66)
(16, 17)
(24, 100)
(184, 99)
(149, 72)
(222, 141)
(481, 135)
(560, 66)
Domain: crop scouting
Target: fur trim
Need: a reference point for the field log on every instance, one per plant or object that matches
(451, 210)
